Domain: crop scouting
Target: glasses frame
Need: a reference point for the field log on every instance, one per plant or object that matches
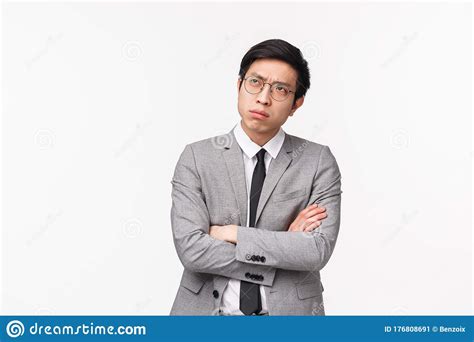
(263, 86)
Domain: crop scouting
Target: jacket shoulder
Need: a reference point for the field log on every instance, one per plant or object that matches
(301, 145)
(218, 142)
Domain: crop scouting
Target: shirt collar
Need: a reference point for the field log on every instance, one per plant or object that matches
(250, 148)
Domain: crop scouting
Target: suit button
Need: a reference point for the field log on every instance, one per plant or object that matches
(247, 275)
(215, 293)
(258, 257)
(260, 277)
(253, 276)
(262, 259)
(253, 258)
(247, 257)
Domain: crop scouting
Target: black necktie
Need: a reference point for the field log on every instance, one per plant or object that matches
(250, 299)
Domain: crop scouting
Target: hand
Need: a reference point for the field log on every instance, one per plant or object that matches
(308, 219)
(225, 233)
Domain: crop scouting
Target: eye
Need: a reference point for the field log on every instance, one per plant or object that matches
(254, 83)
(281, 89)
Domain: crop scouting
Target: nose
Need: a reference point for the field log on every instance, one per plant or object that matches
(264, 96)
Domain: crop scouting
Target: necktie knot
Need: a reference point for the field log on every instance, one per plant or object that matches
(261, 155)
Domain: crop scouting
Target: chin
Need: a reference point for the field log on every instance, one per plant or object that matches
(256, 125)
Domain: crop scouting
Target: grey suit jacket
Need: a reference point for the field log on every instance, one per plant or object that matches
(208, 188)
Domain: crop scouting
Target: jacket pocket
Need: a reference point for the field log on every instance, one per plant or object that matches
(192, 282)
(308, 290)
(288, 195)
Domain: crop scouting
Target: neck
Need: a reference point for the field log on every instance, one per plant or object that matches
(259, 138)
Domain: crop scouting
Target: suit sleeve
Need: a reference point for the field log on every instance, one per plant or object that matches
(299, 250)
(197, 250)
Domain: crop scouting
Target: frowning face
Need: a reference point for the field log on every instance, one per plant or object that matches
(263, 113)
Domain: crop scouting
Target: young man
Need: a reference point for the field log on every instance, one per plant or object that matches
(256, 212)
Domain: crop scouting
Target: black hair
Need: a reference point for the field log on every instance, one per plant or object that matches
(283, 51)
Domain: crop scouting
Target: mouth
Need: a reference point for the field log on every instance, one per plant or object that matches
(259, 114)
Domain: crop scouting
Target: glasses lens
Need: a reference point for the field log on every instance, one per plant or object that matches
(253, 85)
(280, 92)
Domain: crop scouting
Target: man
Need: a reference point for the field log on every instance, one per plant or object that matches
(256, 212)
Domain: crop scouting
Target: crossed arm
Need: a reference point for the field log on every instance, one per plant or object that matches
(223, 250)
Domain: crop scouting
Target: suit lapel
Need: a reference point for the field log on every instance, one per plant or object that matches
(276, 169)
(235, 166)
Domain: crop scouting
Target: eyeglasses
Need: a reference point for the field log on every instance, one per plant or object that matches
(278, 91)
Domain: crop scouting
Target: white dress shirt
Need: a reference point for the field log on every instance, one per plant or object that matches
(231, 296)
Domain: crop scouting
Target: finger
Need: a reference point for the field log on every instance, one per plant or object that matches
(310, 222)
(321, 216)
(309, 211)
(294, 226)
(308, 208)
(304, 213)
(314, 211)
(312, 226)
(300, 226)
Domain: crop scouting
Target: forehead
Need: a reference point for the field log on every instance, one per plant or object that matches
(273, 70)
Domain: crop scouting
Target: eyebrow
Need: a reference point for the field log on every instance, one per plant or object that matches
(263, 78)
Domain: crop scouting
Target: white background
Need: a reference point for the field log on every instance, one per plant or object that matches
(100, 99)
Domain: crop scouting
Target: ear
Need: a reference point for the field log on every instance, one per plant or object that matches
(299, 102)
